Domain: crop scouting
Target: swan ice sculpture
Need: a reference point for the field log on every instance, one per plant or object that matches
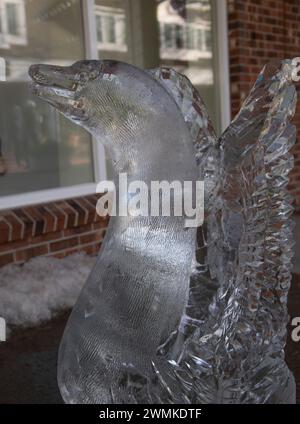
(160, 320)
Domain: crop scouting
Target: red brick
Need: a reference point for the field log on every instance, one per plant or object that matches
(6, 259)
(28, 222)
(92, 249)
(31, 252)
(91, 237)
(57, 228)
(37, 218)
(4, 231)
(59, 217)
(71, 213)
(89, 207)
(49, 220)
(46, 237)
(102, 223)
(16, 226)
(259, 32)
(13, 245)
(64, 244)
(82, 213)
(78, 230)
(65, 253)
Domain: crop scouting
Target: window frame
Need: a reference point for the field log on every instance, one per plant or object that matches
(99, 160)
(220, 44)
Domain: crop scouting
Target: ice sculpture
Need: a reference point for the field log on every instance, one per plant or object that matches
(158, 319)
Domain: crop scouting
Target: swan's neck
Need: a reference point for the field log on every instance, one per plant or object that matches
(154, 151)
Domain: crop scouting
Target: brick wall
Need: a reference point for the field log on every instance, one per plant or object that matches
(53, 229)
(260, 31)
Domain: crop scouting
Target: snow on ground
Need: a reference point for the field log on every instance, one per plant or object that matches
(39, 289)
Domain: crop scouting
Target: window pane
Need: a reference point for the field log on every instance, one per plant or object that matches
(12, 18)
(168, 34)
(179, 36)
(99, 28)
(193, 54)
(111, 29)
(208, 44)
(40, 148)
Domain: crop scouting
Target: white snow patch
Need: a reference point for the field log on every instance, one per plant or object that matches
(39, 289)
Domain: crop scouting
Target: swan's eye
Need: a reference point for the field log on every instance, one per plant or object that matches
(78, 104)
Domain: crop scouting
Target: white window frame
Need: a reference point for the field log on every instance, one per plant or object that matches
(221, 72)
(99, 161)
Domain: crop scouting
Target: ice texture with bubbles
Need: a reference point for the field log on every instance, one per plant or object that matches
(170, 314)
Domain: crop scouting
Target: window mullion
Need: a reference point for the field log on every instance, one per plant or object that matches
(91, 51)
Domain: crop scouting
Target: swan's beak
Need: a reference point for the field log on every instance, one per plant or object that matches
(56, 76)
(57, 85)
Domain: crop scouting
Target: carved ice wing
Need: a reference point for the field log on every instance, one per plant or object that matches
(192, 108)
(236, 354)
(251, 216)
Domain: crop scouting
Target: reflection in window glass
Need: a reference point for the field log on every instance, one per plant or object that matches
(208, 44)
(186, 44)
(120, 30)
(99, 29)
(110, 26)
(174, 33)
(111, 29)
(190, 38)
(40, 148)
(200, 39)
(12, 20)
(179, 40)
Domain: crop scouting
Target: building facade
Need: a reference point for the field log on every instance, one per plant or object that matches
(49, 168)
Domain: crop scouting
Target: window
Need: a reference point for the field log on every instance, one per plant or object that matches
(167, 35)
(190, 38)
(179, 41)
(186, 29)
(207, 43)
(13, 30)
(200, 39)
(99, 29)
(184, 35)
(12, 19)
(110, 21)
(110, 26)
(40, 148)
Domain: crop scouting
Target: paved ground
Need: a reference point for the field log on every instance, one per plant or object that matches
(29, 359)
(28, 362)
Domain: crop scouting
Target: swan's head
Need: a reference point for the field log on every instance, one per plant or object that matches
(105, 97)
